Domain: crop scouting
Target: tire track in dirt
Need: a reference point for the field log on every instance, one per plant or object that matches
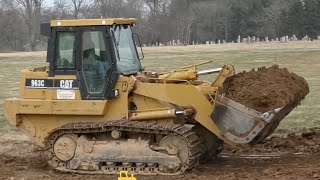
(293, 156)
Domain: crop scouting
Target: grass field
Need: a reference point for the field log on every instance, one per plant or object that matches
(302, 58)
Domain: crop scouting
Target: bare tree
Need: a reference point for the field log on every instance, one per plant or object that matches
(270, 18)
(109, 8)
(161, 20)
(133, 8)
(61, 8)
(184, 17)
(227, 8)
(2, 4)
(77, 5)
(30, 11)
(157, 12)
(74, 9)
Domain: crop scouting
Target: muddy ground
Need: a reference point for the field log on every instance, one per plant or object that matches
(293, 156)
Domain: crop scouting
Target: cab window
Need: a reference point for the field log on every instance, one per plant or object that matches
(65, 51)
(129, 62)
(94, 60)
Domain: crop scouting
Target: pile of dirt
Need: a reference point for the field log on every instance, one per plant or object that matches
(266, 89)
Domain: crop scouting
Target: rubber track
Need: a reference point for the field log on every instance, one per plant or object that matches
(186, 133)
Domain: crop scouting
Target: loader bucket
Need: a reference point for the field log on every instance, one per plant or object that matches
(243, 125)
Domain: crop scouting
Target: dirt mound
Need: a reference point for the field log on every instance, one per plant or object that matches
(306, 142)
(266, 89)
(296, 142)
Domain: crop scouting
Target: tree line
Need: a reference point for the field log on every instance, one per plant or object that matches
(164, 20)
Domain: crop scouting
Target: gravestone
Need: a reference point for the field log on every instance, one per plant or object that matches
(287, 39)
(294, 38)
(306, 38)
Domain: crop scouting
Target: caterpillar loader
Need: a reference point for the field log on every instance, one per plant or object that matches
(95, 110)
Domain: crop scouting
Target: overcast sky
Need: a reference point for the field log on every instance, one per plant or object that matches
(48, 2)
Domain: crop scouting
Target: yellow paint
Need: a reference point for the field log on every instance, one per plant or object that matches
(123, 175)
(93, 22)
(189, 74)
(182, 95)
(227, 70)
(38, 111)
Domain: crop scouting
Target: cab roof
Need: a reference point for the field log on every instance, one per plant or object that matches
(92, 22)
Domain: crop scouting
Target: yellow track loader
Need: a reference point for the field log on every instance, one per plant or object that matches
(95, 110)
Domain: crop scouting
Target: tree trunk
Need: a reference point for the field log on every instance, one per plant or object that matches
(226, 29)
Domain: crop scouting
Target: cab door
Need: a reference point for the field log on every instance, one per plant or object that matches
(96, 70)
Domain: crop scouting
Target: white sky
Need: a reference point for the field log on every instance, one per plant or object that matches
(48, 2)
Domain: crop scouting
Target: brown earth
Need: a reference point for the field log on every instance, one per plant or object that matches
(266, 89)
(293, 156)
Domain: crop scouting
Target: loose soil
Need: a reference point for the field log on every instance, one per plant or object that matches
(266, 89)
(293, 156)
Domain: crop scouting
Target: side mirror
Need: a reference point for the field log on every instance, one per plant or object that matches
(137, 43)
(45, 29)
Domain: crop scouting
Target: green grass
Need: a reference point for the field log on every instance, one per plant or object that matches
(303, 61)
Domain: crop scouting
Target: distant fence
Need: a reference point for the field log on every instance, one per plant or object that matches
(246, 40)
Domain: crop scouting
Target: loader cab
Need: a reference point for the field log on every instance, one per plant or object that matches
(95, 51)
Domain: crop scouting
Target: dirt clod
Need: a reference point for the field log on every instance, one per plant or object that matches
(309, 134)
(266, 89)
